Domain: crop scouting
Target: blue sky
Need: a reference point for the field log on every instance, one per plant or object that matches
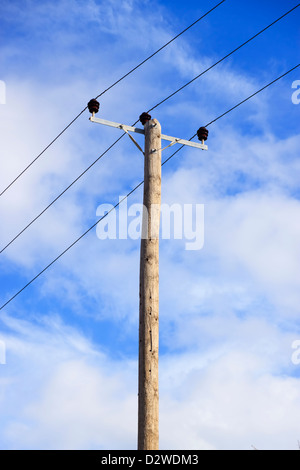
(229, 313)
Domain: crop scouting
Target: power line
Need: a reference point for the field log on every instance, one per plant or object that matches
(136, 187)
(63, 192)
(251, 96)
(236, 106)
(109, 88)
(43, 151)
(225, 57)
(112, 145)
(165, 45)
(70, 246)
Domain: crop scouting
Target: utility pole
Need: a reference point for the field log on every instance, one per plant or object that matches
(148, 384)
(148, 399)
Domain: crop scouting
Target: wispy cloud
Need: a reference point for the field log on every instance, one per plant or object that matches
(228, 312)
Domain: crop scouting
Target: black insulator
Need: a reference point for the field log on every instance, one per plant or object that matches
(93, 106)
(202, 133)
(144, 117)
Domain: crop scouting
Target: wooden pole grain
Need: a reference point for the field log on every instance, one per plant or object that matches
(148, 400)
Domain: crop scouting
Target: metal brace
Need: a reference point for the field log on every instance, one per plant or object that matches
(133, 140)
(176, 141)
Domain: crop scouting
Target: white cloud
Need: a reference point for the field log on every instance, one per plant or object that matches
(227, 312)
(259, 233)
(62, 392)
(59, 392)
(228, 407)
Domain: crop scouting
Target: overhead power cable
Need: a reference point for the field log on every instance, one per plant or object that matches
(225, 57)
(161, 48)
(112, 145)
(59, 196)
(136, 187)
(109, 88)
(234, 107)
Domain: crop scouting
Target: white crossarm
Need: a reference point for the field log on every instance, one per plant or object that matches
(175, 140)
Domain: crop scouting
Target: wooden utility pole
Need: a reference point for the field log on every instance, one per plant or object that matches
(148, 401)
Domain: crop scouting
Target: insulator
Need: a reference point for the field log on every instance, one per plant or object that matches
(202, 133)
(144, 117)
(93, 106)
